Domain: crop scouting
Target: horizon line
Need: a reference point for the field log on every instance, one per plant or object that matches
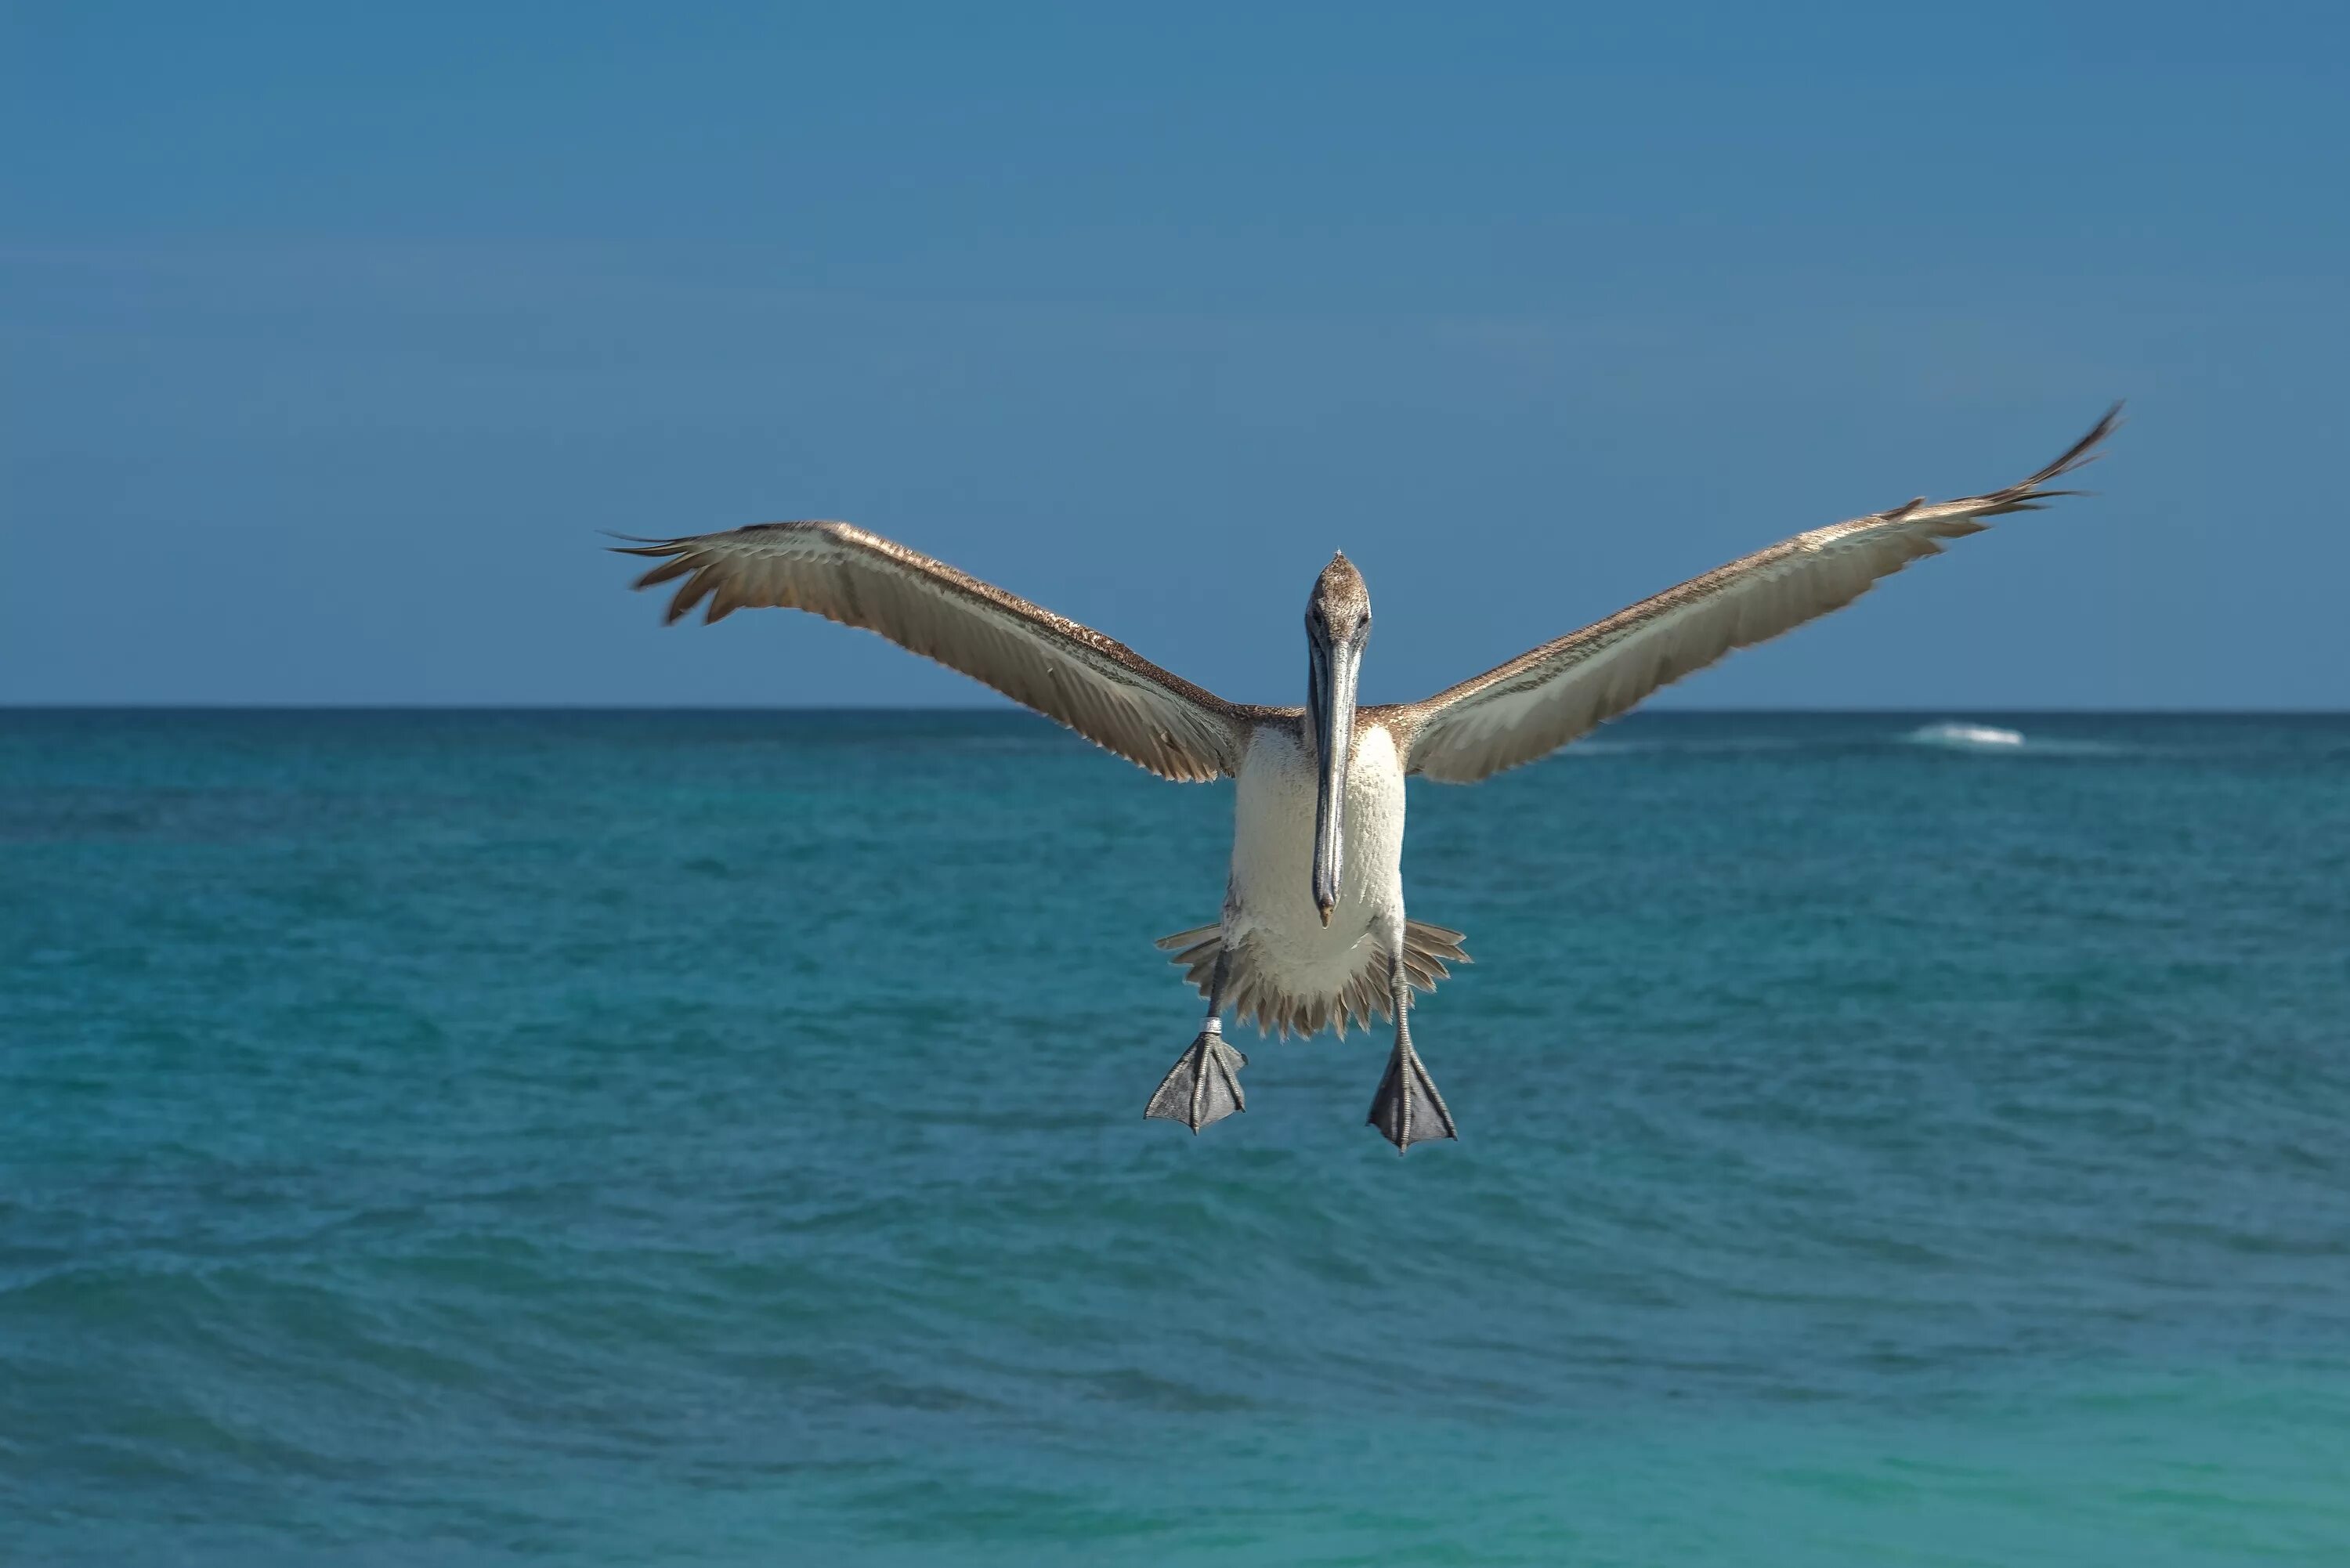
(1007, 709)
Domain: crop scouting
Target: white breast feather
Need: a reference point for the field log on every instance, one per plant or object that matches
(1292, 972)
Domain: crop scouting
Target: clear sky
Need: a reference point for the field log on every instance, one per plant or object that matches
(330, 335)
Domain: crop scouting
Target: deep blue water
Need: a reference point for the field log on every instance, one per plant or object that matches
(696, 1139)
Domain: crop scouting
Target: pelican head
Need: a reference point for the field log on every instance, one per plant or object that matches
(1338, 625)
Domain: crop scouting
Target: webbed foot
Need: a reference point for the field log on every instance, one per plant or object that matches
(1204, 1085)
(1407, 1109)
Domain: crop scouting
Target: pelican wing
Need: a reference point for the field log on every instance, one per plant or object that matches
(1540, 701)
(1103, 690)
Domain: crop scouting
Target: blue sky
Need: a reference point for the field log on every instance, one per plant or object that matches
(330, 335)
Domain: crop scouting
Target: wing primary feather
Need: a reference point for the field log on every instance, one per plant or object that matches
(1070, 673)
(1540, 701)
(675, 568)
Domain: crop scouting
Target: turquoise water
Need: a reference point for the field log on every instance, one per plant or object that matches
(701, 1138)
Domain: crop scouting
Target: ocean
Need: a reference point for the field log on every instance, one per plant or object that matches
(716, 1138)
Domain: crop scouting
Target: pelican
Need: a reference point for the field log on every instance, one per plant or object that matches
(1313, 930)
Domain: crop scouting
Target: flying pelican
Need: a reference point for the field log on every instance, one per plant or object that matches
(1313, 930)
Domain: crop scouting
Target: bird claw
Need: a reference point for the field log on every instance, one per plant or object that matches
(1407, 1109)
(1203, 1086)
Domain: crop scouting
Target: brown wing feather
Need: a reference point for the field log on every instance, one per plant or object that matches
(1071, 673)
(1542, 700)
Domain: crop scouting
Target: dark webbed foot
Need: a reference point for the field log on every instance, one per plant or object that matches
(1204, 1085)
(1407, 1109)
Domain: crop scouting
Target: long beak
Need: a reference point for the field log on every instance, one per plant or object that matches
(1331, 693)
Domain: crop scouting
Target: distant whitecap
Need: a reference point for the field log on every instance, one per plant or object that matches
(1966, 737)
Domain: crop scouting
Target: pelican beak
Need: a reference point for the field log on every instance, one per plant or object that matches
(1330, 702)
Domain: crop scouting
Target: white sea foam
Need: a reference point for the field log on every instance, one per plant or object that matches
(1945, 735)
(1966, 737)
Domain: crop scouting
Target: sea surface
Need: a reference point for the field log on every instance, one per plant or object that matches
(716, 1138)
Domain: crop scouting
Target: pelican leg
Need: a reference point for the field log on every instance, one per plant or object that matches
(1204, 1085)
(1407, 1109)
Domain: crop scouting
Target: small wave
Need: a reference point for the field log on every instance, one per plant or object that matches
(1966, 737)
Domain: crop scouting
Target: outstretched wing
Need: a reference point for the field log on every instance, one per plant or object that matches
(1540, 701)
(1103, 690)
